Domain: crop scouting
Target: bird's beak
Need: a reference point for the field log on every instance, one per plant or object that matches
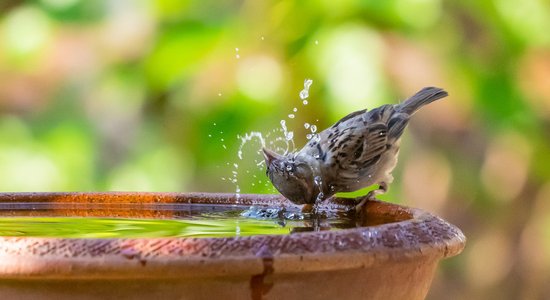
(270, 156)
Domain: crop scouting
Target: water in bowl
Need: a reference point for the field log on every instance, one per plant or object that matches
(71, 220)
(162, 220)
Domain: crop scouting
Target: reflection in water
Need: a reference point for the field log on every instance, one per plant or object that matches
(173, 221)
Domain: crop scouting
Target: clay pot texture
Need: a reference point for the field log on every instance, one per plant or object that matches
(389, 261)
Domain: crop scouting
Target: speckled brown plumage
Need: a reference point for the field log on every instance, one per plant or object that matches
(358, 151)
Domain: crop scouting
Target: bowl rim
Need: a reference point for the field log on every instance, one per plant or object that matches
(422, 237)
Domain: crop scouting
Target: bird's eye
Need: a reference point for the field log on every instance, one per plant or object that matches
(290, 167)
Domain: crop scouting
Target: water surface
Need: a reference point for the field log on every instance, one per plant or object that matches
(163, 220)
(166, 220)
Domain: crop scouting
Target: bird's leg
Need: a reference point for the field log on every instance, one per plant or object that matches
(383, 188)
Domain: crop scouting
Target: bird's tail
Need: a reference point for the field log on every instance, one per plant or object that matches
(425, 96)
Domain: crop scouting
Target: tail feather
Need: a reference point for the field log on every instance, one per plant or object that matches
(425, 96)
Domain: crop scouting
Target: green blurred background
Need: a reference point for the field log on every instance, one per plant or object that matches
(151, 95)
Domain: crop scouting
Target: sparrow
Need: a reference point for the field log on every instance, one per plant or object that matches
(358, 151)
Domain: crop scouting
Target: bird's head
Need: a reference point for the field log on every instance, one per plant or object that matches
(292, 177)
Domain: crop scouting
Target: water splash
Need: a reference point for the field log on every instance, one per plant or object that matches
(244, 139)
(319, 183)
(289, 137)
(313, 129)
(304, 94)
(283, 142)
(249, 137)
(279, 142)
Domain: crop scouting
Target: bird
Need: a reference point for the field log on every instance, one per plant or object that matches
(358, 151)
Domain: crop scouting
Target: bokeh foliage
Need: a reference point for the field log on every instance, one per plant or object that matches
(138, 95)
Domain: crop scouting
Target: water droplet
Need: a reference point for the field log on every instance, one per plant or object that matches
(313, 128)
(224, 147)
(236, 166)
(237, 56)
(318, 180)
(316, 42)
(316, 156)
(222, 140)
(295, 109)
(238, 190)
(289, 168)
(234, 172)
(306, 125)
(248, 137)
(290, 135)
(220, 94)
(304, 94)
(209, 135)
(289, 142)
(320, 197)
(305, 102)
(291, 116)
(262, 38)
(214, 124)
(309, 136)
(307, 83)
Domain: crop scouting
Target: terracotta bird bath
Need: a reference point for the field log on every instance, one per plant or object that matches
(396, 260)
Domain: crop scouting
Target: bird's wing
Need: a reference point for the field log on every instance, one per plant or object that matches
(351, 149)
(354, 151)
